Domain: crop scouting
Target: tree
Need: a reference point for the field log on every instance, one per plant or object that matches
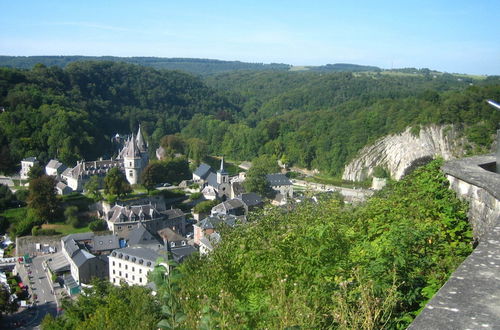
(256, 176)
(71, 216)
(6, 307)
(98, 225)
(197, 150)
(42, 199)
(205, 206)
(35, 171)
(92, 187)
(152, 175)
(115, 183)
(6, 197)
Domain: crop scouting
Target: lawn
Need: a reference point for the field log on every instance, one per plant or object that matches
(65, 229)
(15, 215)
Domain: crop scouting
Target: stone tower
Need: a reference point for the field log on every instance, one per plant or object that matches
(135, 157)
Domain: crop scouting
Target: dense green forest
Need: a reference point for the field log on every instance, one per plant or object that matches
(72, 113)
(322, 265)
(195, 66)
(322, 120)
(309, 119)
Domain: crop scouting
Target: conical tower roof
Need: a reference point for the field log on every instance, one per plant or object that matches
(140, 140)
(131, 149)
(222, 170)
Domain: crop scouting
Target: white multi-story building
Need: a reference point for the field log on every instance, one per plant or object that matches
(133, 264)
(26, 165)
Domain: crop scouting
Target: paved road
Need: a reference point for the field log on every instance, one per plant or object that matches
(38, 284)
(348, 193)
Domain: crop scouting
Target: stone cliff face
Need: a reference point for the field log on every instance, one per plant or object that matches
(398, 153)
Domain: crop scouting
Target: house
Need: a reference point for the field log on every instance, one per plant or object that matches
(208, 243)
(176, 244)
(281, 185)
(86, 255)
(63, 189)
(232, 206)
(251, 201)
(122, 220)
(26, 165)
(142, 236)
(210, 224)
(201, 173)
(55, 168)
(133, 264)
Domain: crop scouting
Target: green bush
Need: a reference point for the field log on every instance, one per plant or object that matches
(195, 196)
(98, 225)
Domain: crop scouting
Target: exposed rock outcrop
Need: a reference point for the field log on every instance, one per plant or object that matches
(398, 153)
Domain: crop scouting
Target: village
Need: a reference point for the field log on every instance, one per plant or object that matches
(143, 230)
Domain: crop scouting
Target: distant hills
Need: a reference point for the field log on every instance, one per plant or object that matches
(192, 65)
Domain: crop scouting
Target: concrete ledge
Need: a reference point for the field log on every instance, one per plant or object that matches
(471, 297)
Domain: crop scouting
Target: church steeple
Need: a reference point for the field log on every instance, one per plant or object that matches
(222, 175)
(140, 140)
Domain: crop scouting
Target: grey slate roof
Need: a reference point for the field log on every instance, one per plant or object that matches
(278, 179)
(173, 213)
(131, 213)
(30, 159)
(57, 165)
(182, 252)
(137, 254)
(212, 180)
(228, 205)
(211, 222)
(81, 256)
(203, 171)
(250, 199)
(141, 235)
(105, 242)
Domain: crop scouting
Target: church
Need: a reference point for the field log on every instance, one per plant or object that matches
(215, 185)
(131, 160)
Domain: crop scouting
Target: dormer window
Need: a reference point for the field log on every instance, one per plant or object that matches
(183, 243)
(172, 244)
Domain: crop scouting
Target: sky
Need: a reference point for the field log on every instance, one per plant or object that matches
(460, 36)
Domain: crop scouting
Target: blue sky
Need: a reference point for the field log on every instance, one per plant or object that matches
(453, 36)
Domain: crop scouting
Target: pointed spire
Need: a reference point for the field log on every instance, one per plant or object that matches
(222, 164)
(140, 140)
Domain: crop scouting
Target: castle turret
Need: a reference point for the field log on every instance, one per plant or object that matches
(132, 160)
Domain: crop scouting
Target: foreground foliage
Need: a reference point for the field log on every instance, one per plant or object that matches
(108, 307)
(324, 265)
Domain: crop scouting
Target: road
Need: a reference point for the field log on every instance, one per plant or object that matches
(38, 284)
(349, 194)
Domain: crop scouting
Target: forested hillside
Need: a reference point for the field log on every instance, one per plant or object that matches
(322, 120)
(197, 66)
(309, 119)
(72, 113)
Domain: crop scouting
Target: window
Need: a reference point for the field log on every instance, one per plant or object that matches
(114, 280)
(183, 243)
(130, 164)
(172, 244)
(113, 272)
(120, 273)
(129, 226)
(119, 228)
(126, 267)
(140, 279)
(140, 270)
(133, 278)
(126, 275)
(133, 269)
(113, 263)
(120, 265)
(131, 173)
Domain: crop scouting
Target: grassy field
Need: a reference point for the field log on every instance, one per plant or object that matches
(15, 215)
(65, 229)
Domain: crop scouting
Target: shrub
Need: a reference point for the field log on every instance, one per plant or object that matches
(98, 225)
